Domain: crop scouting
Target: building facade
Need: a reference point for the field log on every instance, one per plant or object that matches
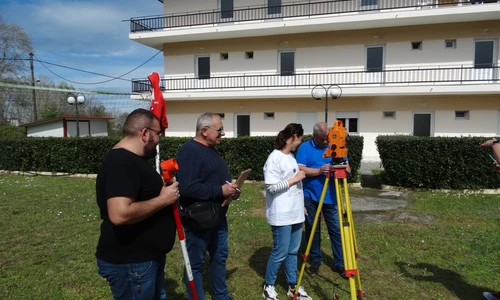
(421, 67)
(67, 127)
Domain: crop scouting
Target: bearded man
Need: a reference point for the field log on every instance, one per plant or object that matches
(138, 227)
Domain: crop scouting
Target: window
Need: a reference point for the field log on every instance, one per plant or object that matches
(274, 7)
(242, 125)
(461, 115)
(351, 124)
(484, 54)
(226, 9)
(221, 115)
(249, 55)
(375, 58)
(369, 4)
(416, 45)
(224, 56)
(287, 63)
(268, 116)
(389, 115)
(423, 124)
(450, 44)
(203, 67)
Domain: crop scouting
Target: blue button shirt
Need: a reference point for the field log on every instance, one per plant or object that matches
(311, 156)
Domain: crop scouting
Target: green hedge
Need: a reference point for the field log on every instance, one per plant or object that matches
(84, 155)
(436, 162)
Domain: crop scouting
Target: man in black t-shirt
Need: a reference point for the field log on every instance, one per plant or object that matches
(138, 227)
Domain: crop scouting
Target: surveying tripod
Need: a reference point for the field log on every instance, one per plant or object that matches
(350, 250)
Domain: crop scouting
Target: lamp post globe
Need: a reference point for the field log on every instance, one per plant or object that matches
(320, 91)
(76, 99)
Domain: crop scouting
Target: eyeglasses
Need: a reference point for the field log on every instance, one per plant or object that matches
(218, 130)
(158, 132)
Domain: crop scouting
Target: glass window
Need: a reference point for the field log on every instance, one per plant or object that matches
(204, 67)
(287, 63)
(374, 59)
(274, 7)
(483, 55)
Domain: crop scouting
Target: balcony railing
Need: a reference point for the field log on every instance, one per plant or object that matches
(421, 76)
(295, 9)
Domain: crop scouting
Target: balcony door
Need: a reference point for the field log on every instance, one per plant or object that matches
(286, 62)
(274, 8)
(226, 10)
(375, 64)
(202, 69)
(242, 125)
(368, 4)
(423, 124)
(484, 60)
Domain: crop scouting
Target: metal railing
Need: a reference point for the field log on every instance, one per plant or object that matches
(294, 9)
(446, 75)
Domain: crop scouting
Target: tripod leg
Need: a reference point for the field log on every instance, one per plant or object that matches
(311, 237)
(348, 239)
(355, 249)
(350, 218)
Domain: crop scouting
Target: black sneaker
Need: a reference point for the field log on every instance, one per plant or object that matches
(341, 271)
(314, 266)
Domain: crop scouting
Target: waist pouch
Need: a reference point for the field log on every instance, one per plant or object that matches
(205, 215)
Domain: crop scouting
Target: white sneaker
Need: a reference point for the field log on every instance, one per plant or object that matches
(302, 295)
(491, 296)
(269, 293)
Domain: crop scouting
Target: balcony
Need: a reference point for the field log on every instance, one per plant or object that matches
(310, 16)
(353, 79)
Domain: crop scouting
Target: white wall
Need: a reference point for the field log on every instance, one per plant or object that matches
(331, 58)
(46, 129)
(99, 127)
(371, 124)
(480, 123)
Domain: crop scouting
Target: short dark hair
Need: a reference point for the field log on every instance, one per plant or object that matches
(137, 120)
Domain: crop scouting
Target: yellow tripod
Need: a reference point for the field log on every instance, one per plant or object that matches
(350, 250)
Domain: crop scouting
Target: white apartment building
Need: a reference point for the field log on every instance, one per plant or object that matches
(421, 67)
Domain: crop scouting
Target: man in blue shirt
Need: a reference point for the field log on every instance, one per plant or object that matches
(310, 160)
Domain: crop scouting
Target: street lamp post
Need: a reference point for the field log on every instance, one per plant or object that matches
(320, 91)
(77, 98)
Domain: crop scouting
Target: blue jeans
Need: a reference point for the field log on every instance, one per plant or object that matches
(331, 216)
(215, 242)
(286, 243)
(135, 281)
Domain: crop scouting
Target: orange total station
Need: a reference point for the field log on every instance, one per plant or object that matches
(337, 137)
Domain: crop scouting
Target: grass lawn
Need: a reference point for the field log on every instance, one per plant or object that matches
(49, 228)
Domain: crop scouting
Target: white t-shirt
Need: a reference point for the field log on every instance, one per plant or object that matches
(283, 208)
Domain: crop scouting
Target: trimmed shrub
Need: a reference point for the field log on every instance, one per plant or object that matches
(85, 154)
(436, 162)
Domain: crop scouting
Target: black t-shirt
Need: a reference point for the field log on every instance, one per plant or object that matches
(125, 174)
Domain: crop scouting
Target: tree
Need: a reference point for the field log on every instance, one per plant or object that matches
(15, 46)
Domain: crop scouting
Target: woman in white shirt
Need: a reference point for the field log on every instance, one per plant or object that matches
(284, 210)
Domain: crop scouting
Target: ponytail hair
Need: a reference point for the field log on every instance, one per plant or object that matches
(289, 131)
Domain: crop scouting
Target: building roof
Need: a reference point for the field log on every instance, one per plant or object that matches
(64, 118)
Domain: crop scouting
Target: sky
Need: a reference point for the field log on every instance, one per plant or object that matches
(88, 35)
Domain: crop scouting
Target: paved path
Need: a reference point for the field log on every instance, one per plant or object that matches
(380, 207)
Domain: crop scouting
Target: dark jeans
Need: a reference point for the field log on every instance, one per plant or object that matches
(135, 281)
(215, 242)
(331, 216)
